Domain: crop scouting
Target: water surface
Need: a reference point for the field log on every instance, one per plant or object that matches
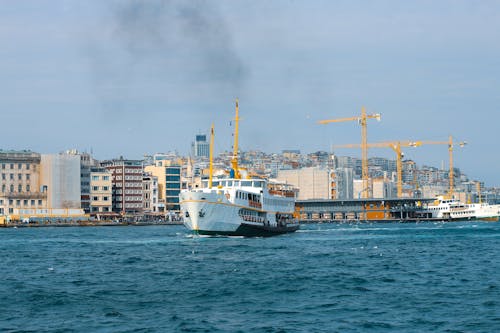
(427, 277)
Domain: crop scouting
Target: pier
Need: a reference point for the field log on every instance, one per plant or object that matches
(357, 210)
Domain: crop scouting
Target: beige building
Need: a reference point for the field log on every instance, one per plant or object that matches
(383, 188)
(150, 194)
(60, 176)
(313, 183)
(101, 192)
(20, 182)
(168, 174)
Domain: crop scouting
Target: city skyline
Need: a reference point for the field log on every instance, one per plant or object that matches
(127, 77)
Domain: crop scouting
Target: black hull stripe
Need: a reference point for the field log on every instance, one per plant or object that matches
(248, 230)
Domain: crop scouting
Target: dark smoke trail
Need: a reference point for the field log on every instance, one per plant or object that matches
(166, 43)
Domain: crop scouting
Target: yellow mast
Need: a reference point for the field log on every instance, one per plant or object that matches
(234, 161)
(211, 167)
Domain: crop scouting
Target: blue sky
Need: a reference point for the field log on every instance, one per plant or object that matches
(134, 77)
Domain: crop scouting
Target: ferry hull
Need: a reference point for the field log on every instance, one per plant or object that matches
(249, 230)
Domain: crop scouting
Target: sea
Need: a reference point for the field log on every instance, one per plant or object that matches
(402, 277)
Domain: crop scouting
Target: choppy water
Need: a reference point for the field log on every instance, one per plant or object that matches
(325, 278)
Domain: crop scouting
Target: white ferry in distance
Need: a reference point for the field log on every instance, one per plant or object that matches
(454, 210)
(238, 206)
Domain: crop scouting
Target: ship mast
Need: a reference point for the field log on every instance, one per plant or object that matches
(234, 162)
(211, 167)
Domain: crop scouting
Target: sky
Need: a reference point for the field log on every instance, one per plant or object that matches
(128, 78)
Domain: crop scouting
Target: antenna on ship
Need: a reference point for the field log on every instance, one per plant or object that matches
(235, 172)
(211, 167)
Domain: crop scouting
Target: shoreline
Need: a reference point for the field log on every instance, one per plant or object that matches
(88, 224)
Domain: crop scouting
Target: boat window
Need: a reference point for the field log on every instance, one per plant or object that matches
(246, 183)
(215, 184)
(257, 184)
(229, 183)
(236, 183)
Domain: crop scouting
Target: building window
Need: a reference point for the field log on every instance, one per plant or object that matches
(19, 176)
(11, 176)
(3, 166)
(11, 202)
(105, 188)
(19, 166)
(3, 176)
(27, 188)
(19, 188)
(32, 201)
(39, 202)
(18, 202)
(105, 177)
(11, 188)
(12, 166)
(105, 198)
(28, 176)
(25, 202)
(27, 166)
(95, 198)
(95, 177)
(95, 188)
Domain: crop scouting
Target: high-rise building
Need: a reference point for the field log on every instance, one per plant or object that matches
(126, 185)
(20, 181)
(200, 147)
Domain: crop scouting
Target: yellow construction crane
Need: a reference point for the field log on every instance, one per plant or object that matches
(362, 120)
(394, 145)
(450, 152)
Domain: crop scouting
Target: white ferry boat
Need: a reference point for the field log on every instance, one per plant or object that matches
(239, 207)
(453, 209)
(236, 206)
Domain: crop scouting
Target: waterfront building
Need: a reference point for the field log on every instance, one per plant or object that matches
(200, 147)
(20, 181)
(126, 180)
(150, 194)
(100, 192)
(169, 184)
(86, 163)
(60, 176)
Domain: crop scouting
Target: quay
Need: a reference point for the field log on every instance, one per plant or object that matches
(18, 224)
(363, 210)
